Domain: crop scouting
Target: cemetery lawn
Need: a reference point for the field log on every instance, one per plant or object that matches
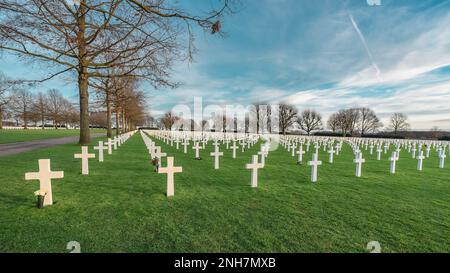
(12, 136)
(121, 206)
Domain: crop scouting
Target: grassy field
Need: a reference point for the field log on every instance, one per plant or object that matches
(121, 206)
(12, 136)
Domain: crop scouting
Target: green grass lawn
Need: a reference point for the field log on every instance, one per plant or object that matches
(121, 206)
(12, 136)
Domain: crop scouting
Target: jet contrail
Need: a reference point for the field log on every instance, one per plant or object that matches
(363, 40)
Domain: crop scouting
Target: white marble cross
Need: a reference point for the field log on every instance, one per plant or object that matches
(420, 159)
(293, 146)
(45, 176)
(185, 144)
(314, 163)
(157, 152)
(393, 159)
(170, 170)
(338, 148)
(119, 140)
(359, 161)
(115, 143)
(413, 151)
(100, 149)
(316, 148)
(379, 150)
(254, 166)
(263, 153)
(300, 153)
(234, 147)
(216, 155)
(197, 149)
(331, 152)
(109, 143)
(216, 142)
(85, 155)
(442, 160)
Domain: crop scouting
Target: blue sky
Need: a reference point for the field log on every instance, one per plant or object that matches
(317, 54)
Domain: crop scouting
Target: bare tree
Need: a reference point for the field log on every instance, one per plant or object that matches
(369, 121)
(127, 100)
(133, 111)
(343, 121)
(169, 120)
(88, 37)
(21, 104)
(55, 106)
(309, 120)
(40, 108)
(353, 118)
(347, 120)
(287, 116)
(436, 133)
(103, 89)
(398, 123)
(257, 111)
(333, 122)
(112, 92)
(263, 113)
(6, 87)
(204, 123)
(68, 113)
(99, 119)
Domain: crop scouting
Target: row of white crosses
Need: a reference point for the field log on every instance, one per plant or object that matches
(170, 169)
(200, 141)
(295, 145)
(244, 141)
(291, 142)
(116, 142)
(45, 174)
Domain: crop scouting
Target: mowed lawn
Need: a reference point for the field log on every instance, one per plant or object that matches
(12, 136)
(121, 206)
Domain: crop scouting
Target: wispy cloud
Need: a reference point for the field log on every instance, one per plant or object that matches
(363, 41)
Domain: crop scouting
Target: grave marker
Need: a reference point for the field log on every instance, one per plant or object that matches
(45, 176)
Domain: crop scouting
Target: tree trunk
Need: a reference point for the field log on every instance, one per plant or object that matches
(108, 116)
(24, 118)
(83, 78)
(85, 137)
(117, 122)
(257, 119)
(124, 122)
(1, 117)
